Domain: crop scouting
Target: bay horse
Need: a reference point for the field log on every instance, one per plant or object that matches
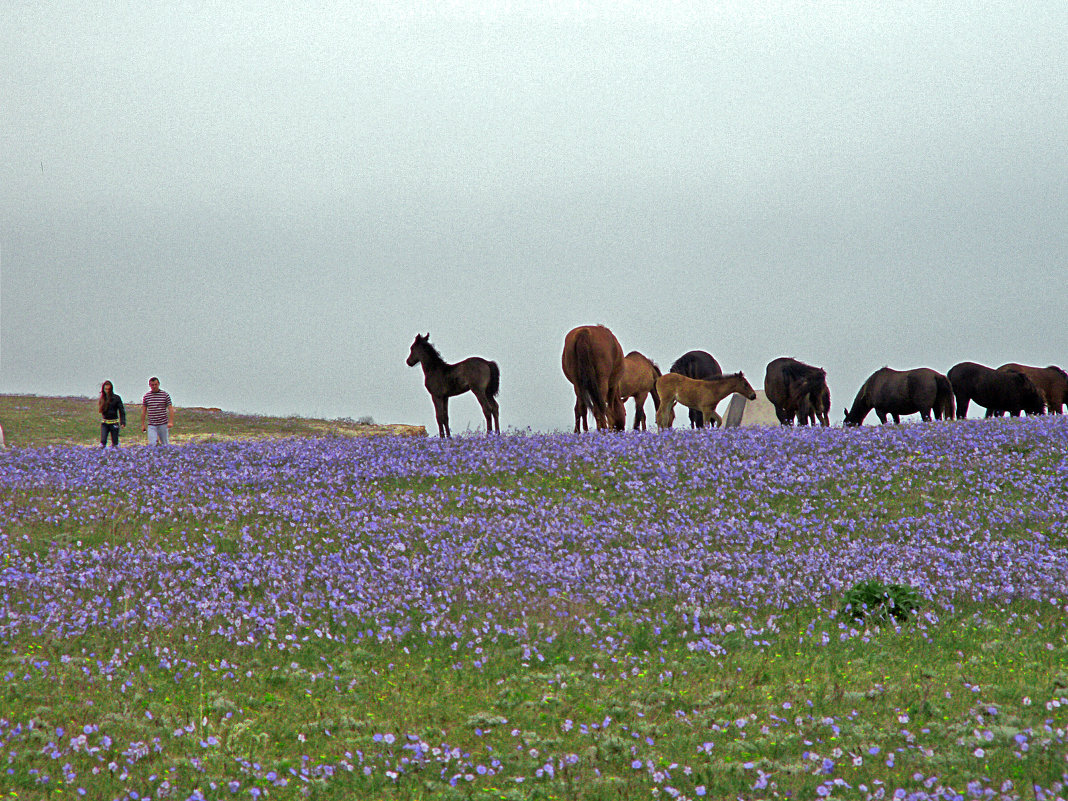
(593, 362)
(898, 392)
(639, 382)
(796, 390)
(697, 394)
(475, 374)
(997, 390)
(1051, 381)
(698, 364)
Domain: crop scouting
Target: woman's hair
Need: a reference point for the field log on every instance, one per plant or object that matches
(105, 396)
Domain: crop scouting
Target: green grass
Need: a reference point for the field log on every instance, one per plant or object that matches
(259, 706)
(806, 687)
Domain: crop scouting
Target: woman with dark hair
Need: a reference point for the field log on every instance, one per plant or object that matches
(113, 413)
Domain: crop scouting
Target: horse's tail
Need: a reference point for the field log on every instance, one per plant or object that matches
(494, 385)
(944, 401)
(586, 376)
(654, 393)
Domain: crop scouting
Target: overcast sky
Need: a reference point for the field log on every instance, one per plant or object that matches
(263, 203)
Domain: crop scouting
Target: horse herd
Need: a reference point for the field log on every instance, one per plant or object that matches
(604, 378)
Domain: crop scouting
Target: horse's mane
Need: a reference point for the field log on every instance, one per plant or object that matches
(799, 370)
(655, 366)
(679, 363)
(866, 386)
(432, 353)
(689, 357)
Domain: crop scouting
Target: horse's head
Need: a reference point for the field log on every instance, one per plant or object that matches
(851, 419)
(415, 355)
(746, 388)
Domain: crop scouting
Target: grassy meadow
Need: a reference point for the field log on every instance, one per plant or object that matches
(39, 421)
(600, 616)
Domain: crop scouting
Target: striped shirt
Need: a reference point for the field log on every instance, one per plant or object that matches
(156, 404)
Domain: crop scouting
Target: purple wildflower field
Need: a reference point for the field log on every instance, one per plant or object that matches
(524, 616)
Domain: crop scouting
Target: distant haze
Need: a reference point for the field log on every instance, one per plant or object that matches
(263, 203)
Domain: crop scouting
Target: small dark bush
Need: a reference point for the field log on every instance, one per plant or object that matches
(877, 602)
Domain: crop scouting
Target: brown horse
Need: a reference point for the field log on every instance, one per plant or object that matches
(639, 382)
(1051, 381)
(697, 394)
(479, 376)
(898, 392)
(999, 391)
(593, 363)
(797, 389)
(697, 364)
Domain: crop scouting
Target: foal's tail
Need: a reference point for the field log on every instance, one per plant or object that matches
(586, 376)
(945, 406)
(494, 385)
(654, 393)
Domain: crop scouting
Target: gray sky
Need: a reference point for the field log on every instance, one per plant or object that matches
(263, 203)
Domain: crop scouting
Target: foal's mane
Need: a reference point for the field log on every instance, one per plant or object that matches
(433, 357)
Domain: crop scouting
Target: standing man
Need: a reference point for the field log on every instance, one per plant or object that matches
(157, 414)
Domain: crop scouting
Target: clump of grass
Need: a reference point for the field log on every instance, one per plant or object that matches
(877, 603)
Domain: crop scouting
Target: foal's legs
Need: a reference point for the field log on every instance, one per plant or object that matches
(665, 415)
(490, 409)
(441, 411)
(711, 417)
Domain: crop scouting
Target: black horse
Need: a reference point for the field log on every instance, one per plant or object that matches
(442, 381)
(797, 389)
(997, 390)
(701, 365)
(898, 392)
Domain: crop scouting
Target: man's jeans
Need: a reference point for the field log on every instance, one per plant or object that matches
(158, 435)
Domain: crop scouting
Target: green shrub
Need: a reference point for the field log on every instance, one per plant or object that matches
(877, 602)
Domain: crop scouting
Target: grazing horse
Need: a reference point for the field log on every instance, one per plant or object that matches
(997, 390)
(593, 363)
(442, 381)
(1051, 381)
(797, 389)
(698, 395)
(639, 382)
(702, 365)
(898, 392)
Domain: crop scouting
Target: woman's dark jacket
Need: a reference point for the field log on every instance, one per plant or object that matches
(114, 410)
